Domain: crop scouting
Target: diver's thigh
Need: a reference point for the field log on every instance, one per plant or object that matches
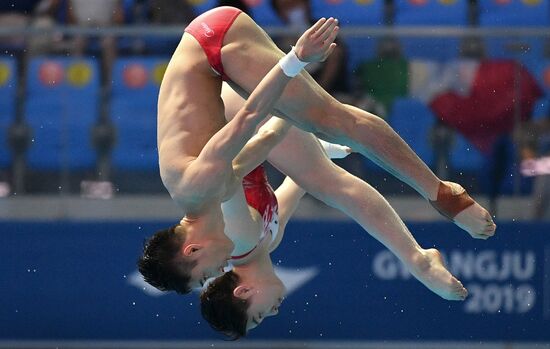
(300, 156)
(249, 54)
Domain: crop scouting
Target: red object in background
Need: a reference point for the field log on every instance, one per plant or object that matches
(418, 2)
(253, 3)
(546, 77)
(489, 110)
(135, 76)
(51, 73)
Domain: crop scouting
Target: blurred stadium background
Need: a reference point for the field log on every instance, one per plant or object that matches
(465, 83)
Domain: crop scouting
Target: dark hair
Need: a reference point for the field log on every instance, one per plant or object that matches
(223, 311)
(161, 264)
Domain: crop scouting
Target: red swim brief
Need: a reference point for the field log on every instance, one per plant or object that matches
(209, 30)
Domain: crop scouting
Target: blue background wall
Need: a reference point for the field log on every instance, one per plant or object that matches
(68, 280)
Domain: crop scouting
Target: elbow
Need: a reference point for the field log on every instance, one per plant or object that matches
(268, 135)
(269, 138)
(254, 110)
(247, 116)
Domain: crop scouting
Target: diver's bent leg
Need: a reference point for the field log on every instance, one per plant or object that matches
(249, 54)
(300, 156)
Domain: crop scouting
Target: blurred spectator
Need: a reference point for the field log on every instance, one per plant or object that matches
(481, 105)
(96, 13)
(156, 12)
(170, 11)
(20, 13)
(240, 4)
(332, 74)
(382, 80)
(534, 142)
(47, 15)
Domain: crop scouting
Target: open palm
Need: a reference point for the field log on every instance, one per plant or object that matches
(317, 43)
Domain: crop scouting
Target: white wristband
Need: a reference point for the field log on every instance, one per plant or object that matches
(291, 64)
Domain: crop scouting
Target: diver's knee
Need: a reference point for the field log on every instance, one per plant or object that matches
(330, 120)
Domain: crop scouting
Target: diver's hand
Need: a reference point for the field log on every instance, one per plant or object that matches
(317, 43)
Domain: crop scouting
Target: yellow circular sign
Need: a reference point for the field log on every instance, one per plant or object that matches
(158, 72)
(531, 2)
(79, 74)
(5, 73)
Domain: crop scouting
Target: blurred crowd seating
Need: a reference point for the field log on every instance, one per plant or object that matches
(60, 115)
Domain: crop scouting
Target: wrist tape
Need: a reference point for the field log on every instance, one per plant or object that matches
(291, 64)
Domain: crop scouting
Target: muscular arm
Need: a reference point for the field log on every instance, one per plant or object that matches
(211, 173)
(314, 45)
(257, 149)
(212, 168)
(288, 196)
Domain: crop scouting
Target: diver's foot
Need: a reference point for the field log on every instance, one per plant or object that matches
(431, 271)
(454, 203)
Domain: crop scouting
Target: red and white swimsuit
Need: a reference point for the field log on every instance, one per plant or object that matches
(260, 196)
(209, 30)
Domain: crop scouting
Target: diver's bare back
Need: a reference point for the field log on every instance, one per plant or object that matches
(190, 110)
